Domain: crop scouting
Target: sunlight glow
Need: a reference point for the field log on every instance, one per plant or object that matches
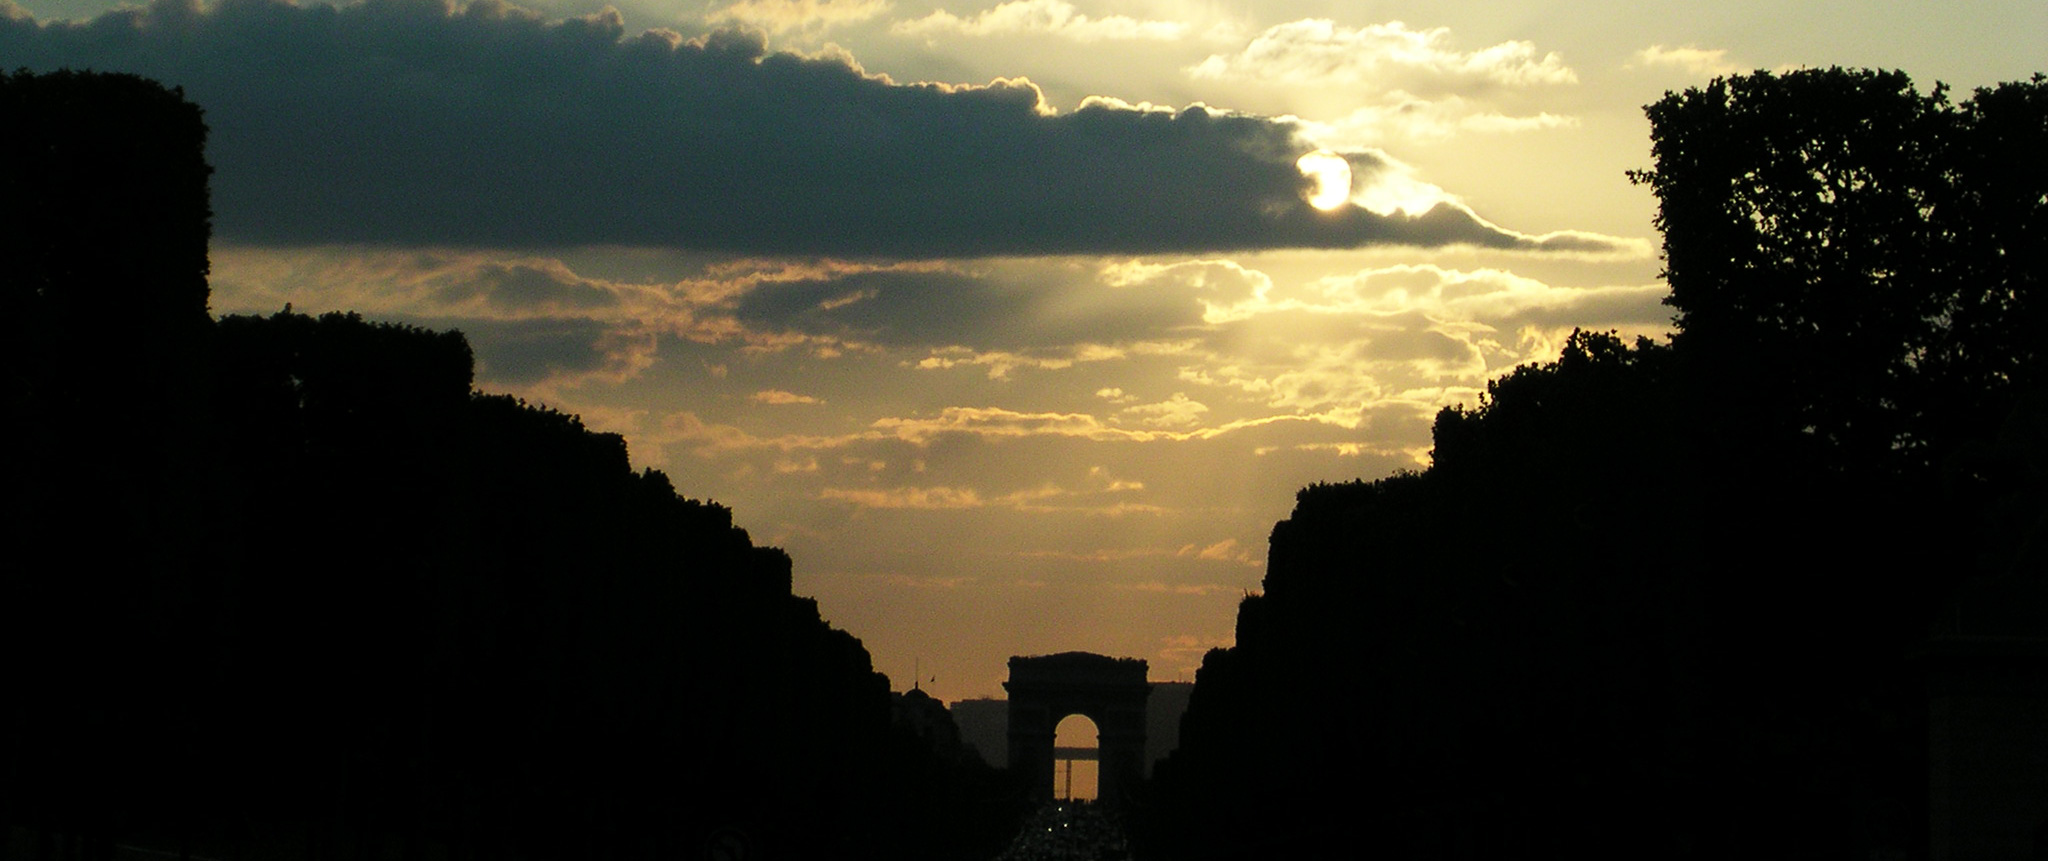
(1333, 178)
(1399, 192)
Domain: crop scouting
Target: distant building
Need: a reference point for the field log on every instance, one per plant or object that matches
(985, 728)
(985, 724)
(930, 721)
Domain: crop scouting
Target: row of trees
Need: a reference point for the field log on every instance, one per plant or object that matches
(286, 586)
(1675, 600)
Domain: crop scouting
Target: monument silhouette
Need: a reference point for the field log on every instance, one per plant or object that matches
(1045, 690)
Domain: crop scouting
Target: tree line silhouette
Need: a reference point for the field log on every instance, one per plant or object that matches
(1679, 600)
(288, 586)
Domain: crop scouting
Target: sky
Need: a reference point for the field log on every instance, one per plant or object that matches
(1018, 324)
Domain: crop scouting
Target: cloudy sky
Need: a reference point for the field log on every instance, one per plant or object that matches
(1017, 323)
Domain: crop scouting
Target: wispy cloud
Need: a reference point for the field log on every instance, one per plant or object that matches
(1699, 62)
(1321, 52)
(778, 396)
(1039, 498)
(783, 16)
(1158, 587)
(1053, 17)
(907, 581)
(921, 498)
(1177, 411)
(1183, 653)
(1398, 115)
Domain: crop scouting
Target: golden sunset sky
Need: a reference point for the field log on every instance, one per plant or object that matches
(1011, 322)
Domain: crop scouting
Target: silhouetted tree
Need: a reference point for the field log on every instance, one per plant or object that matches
(1664, 600)
(1852, 260)
(103, 230)
(287, 586)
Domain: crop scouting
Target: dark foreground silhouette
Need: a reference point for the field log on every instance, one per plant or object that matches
(1773, 590)
(287, 587)
(1070, 831)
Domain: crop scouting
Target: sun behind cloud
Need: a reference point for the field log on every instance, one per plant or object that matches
(1332, 175)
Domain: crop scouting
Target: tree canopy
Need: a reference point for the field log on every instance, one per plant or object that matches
(288, 586)
(1666, 600)
(1859, 259)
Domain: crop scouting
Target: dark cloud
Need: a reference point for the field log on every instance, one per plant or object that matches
(522, 352)
(411, 122)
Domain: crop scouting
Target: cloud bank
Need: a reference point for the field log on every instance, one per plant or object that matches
(1131, 350)
(400, 122)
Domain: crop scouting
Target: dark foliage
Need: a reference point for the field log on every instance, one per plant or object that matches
(287, 587)
(1673, 601)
